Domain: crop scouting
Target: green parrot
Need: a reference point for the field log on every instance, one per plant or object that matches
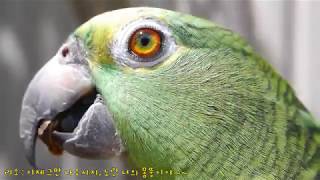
(172, 91)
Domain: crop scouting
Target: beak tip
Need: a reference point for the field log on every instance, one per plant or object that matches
(29, 149)
(28, 133)
(31, 158)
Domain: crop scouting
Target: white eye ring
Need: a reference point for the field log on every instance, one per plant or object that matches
(120, 46)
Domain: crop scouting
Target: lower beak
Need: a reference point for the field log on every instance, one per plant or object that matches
(61, 106)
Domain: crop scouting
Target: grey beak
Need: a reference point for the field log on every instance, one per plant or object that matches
(61, 107)
(55, 88)
(95, 137)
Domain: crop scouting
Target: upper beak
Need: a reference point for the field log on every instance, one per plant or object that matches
(54, 89)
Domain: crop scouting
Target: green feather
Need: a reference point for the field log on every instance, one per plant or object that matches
(218, 111)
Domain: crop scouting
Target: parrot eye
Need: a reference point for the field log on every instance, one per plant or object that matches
(143, 43)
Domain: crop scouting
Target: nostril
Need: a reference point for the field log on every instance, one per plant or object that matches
(65, 51)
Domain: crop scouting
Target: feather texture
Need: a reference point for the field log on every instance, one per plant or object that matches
(216, 111)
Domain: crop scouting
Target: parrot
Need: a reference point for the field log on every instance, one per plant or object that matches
(172, 91)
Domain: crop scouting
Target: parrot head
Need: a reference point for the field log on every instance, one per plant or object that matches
(165, 80)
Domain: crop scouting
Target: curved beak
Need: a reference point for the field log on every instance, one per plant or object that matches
(61, 107)
(55, 88)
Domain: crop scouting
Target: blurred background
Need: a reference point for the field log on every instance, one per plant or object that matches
(286, 33)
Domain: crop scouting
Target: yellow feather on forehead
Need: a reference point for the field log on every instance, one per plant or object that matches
(100, 31)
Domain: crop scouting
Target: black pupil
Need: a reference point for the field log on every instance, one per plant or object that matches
(145, 40)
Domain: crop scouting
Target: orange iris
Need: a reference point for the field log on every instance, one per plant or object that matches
(145, 42)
